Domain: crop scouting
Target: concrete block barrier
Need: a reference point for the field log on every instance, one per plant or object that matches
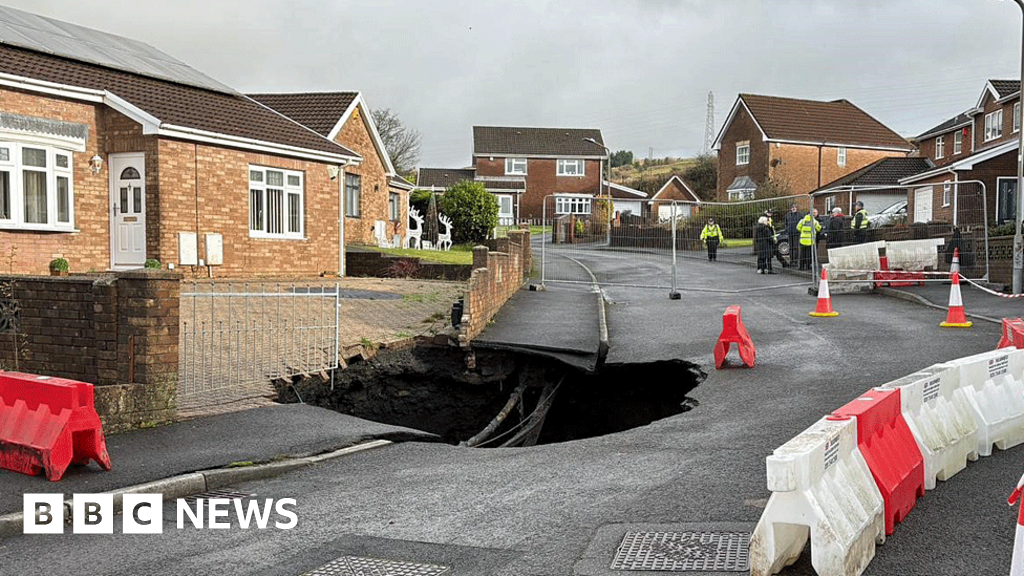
(940, 417)
(993, 383)
(821, 488)
(890, 450)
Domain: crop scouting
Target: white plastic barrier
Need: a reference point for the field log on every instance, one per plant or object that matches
(940, 417)
(820, 486)
(856, 257)
(993, 383)
(914, 254)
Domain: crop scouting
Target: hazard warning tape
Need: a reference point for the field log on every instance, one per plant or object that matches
(989, 290)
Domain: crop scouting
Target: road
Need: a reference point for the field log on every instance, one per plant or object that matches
(547, 510)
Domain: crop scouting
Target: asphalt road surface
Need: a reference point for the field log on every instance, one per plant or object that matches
(542, 510)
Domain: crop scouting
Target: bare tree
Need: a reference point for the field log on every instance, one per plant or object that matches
(401, 142)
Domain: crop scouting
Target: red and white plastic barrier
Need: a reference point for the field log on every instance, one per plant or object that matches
(1017, 562)
(993, 383)
(821, 488)
(941, 420)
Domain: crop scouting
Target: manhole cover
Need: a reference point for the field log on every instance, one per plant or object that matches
(684, 551)
(356, 566)
(220, 494)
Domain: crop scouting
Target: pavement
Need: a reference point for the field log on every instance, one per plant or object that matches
(978, 304)
(562, 508)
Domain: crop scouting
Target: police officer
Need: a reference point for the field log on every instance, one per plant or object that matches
(859, 223)
(809, 228)
(712, 235)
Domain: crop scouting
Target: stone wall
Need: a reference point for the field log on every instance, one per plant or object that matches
(118, 331)
(497, 275)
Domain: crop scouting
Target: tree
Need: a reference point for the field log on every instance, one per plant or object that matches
(622, 158)
(773, 188)
(702, 176)
(401, 142)
(472, 209)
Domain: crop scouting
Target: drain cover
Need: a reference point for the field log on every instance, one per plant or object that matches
(357, 566)
(684, 551)
(225, 494)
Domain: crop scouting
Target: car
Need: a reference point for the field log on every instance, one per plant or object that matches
(892, 214)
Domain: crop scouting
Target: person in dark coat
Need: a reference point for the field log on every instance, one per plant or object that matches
(836, 228)
(793, 218)
(763, 244)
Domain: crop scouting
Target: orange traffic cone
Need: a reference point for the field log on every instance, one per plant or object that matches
(956, 317)
(955, 265)
(824, 308)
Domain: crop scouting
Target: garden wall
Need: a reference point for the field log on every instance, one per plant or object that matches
(380, 265)
(497, 275)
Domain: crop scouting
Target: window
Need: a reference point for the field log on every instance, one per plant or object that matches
(947, 193)
(830, 203)
(735, 195)
(515, 166)
(841, 156)
(743, 153)
(958, 143)
(570, 168)
(993, 125)
(352, 195)
(1016, 117)
(36, 187)
(940, 147)
(394, 210)
(572, 204)
(275, 203)
(505, 206)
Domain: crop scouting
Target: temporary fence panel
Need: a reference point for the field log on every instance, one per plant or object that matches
(237, 338)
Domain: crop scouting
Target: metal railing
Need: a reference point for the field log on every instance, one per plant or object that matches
(237, 338)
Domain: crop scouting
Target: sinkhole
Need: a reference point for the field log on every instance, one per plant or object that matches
(506, 399)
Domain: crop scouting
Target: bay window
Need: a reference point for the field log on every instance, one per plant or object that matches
(276, 201)
(36, 187)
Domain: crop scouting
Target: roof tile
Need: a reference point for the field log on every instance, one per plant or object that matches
(319, 111)
(505, 141)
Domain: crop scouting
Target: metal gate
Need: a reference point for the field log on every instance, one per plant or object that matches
(237, 338)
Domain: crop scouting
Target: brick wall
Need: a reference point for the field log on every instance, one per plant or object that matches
(118, 331)
(355, 136)
(742, 128)
(542, 180)
(797, 165)
(378, 265)
(497, 275)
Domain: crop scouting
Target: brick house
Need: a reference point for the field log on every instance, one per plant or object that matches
(797, 144)
(877, 185)
(674, 190)
(109, 164)
(374, 192)
(977, 145)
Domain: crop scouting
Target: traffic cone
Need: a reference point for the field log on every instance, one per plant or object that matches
(955, 265)
(824, 308)
(1017, 563)
(956, 318)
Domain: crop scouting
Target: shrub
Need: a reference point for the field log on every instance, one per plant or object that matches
(59, 265)
(404, 268)
(1008, 229)
(152, 263)
(472, 209)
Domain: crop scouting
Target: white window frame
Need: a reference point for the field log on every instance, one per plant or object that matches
(993, 125)
(14, 167)
(742, 153)
(841, 156)
(958, 142)
(1016, 117)
(739, 195)
(947, 193)
(287, 190)
(830, 203)
(940, 147)
(515, 166)
(394, 206)
(353, 206)
(571, 167)
(572, 204)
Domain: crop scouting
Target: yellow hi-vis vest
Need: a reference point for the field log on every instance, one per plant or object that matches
(711, 231)
(807, 231)
(863, 220)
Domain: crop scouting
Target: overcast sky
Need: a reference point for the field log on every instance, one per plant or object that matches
(639, 70)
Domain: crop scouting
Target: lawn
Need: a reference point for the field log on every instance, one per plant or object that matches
(739, 242)
(502, 231)
(459, 254)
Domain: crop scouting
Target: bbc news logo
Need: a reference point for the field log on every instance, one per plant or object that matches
(144, 514)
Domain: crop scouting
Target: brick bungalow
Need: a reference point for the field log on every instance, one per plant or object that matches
(344, 117)
(798, 144)
(877, 185)
(674, 190)
(109, 164)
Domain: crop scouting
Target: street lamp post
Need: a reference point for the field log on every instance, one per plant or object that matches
(1018, 240)
(608, 188)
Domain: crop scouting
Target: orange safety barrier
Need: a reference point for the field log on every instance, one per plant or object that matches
(733, 331)
(889, 448)
(1013, 334)
(47, 424)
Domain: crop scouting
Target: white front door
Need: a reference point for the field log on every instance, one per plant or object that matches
(923, 204)
(128, 210)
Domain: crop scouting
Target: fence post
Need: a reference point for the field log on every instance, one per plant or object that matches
(674, 294)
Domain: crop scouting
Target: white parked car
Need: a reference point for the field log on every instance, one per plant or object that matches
(892, 214)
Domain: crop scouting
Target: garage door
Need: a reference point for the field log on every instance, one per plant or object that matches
(923, 205)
